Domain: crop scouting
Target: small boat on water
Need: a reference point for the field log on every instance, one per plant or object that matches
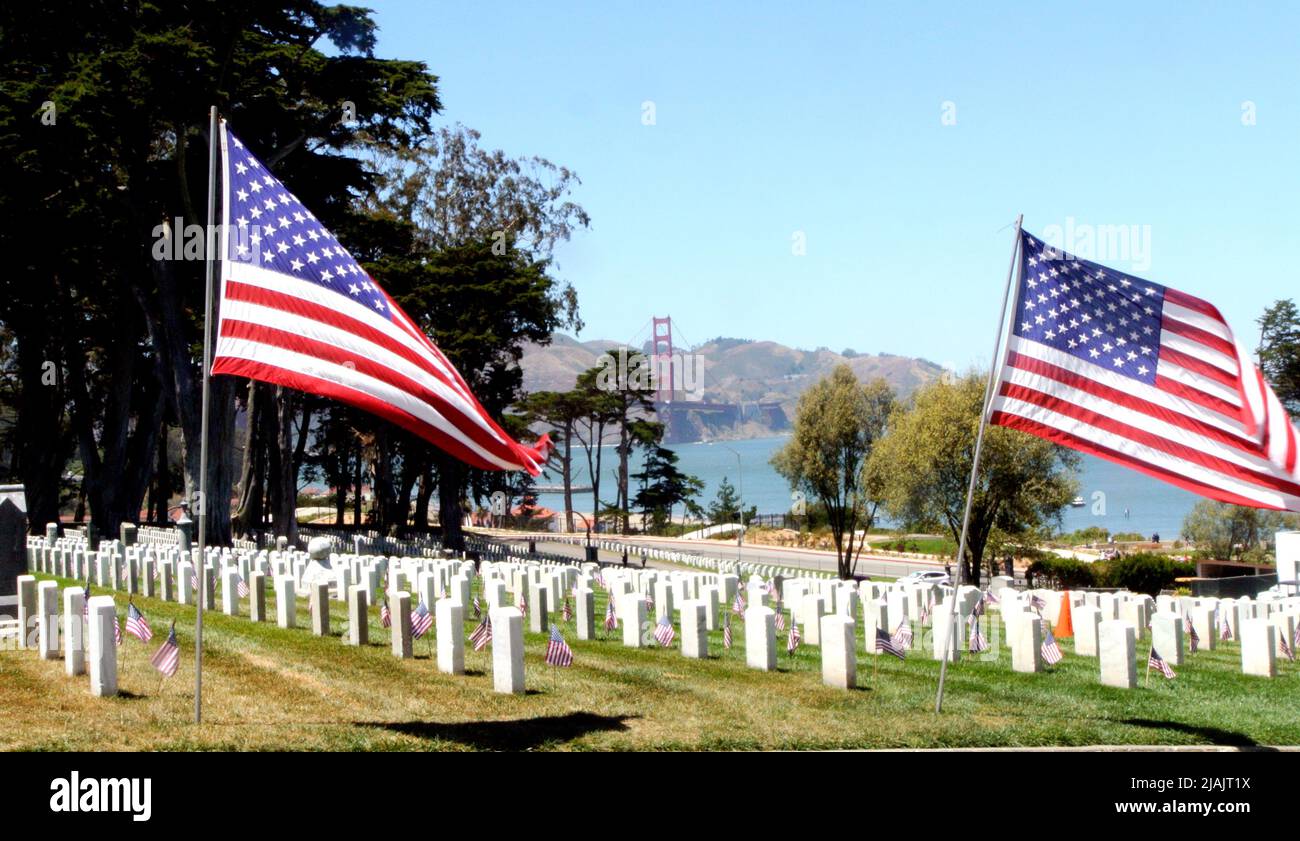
(1078, 502)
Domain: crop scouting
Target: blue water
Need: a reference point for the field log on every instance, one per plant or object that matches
(1130, 501)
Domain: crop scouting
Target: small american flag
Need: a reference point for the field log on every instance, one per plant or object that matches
(1191, 633)
(385, 615)
(136, 625)
(611, 620)
(1155, 661)
(738, 605)
(478, 608)
(1295, 637)
(726, 634)
(925, 615)
(780, 620)
(522, 604)
(117, 630)
(1145, 376)
(903, 635)
(792, 641)
(242, 587)
(482, 634)
(85, 602)
(600, 580)
(166, 658)
(977, 641)
(567, 611)
(421, 621)
(558, 652)
(1286, 647)
(649, 602)
(664, 632)
(1051, 651)
(1036, 603)
(1225, 629)
(886, 644)
(990, 598)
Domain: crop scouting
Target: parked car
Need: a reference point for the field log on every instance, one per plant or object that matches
(927, 577)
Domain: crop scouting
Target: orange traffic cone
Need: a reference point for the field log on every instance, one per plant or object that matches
(1064, 626)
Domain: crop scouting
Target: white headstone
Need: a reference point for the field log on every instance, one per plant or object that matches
(1257, 642)
(508, 650)
(1117, 641)
(1087, 627)
(286, 605)
(102, 643)
(1167, 637)
(449, 616)
(74, 632)
(839, 652)
(760, 638)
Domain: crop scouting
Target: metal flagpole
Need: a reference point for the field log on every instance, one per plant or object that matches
(974, 470)
(209, 271)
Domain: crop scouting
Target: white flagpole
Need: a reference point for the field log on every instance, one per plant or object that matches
(975, 469)
(209, 271)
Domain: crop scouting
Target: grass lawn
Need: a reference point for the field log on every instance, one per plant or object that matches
(271, 689)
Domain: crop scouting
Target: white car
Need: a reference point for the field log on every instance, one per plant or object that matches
(927, 577)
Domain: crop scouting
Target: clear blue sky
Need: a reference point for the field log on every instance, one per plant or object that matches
(826, 118)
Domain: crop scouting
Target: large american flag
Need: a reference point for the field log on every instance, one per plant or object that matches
(1145, 376)
(296, 309)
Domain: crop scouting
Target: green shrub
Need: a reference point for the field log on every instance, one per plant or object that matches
(1142, 572)
(1060, 573)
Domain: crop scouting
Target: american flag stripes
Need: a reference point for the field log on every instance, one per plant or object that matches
(421, 621)
(1155, 661)
(738, 604)
(977, 643)
(242, 587)
(482, 634)
(1285, 646)
(664, 632)
(1193, 637)
(566, 613)
(522, 604)
(902, 636)
(1145, 376)
(1051, 651)
(296, 309)
(558, 652)
(886, 644)
(726, 633)
(117, 630)
(1036, 602)
(611, 620)
(792, 641)
(168, 656)
(1225, 629)
(990, 598)
(136, 625)
(478, 608)
(780, 620)
(385, 615)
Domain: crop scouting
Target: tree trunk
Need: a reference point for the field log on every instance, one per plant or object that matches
(423, 497)
(41, 450)
(248, 516)
(356, 499)
(286, 502)
(566, 468)
(451, 481)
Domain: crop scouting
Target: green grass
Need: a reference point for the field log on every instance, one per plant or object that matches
(267, 688)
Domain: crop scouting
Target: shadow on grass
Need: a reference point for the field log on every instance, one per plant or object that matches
(519, 734)
(1213, 735)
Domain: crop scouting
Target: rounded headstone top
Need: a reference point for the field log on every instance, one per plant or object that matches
(319, 548)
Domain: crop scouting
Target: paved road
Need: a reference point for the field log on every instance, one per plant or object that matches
(868, 565)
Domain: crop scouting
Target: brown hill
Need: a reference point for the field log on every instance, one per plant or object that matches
(735, 370)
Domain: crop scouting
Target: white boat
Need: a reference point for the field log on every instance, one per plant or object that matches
(1078, 502)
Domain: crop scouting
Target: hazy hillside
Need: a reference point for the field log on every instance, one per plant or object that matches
(735, 370)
